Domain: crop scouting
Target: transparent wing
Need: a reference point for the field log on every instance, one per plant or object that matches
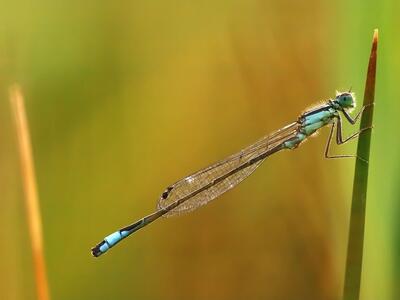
(199, 180)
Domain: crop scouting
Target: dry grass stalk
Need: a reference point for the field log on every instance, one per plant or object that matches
(30, 191)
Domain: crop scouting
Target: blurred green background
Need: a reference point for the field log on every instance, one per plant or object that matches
(126, 97)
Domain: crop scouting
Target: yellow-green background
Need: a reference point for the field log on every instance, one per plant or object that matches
(125, 97)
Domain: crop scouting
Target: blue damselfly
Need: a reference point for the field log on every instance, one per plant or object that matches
(205, 185)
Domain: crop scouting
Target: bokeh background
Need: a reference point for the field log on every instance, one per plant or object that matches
(126, 97)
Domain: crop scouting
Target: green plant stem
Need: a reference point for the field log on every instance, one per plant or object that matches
(357, 217)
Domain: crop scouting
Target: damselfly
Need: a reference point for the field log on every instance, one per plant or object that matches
(205, 185)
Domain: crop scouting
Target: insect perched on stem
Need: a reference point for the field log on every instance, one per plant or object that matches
(205, 185)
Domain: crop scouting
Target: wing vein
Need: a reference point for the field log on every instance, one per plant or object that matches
(207, 184)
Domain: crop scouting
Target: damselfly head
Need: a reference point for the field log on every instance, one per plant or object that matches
(346, 100)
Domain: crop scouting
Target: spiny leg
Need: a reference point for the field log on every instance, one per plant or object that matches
(340, 141)
(339, 132)
(359, 114)
(328, 145)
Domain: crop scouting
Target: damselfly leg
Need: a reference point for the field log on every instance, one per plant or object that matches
(339, 134)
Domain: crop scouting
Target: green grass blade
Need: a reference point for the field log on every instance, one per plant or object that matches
(357, 217)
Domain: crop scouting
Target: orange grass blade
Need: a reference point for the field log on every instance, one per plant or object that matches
(357, 218)
(30, 191)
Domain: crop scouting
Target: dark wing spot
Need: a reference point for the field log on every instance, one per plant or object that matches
(166, 193)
